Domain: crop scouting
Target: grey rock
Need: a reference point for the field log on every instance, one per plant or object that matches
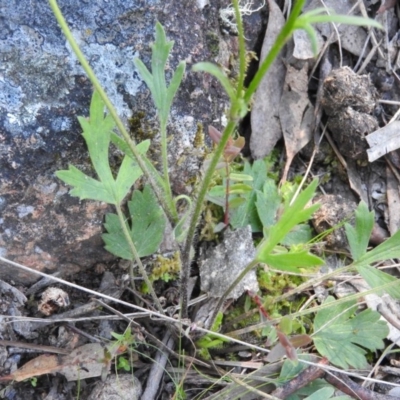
(121, 387)
(225, 262)
(42, 91)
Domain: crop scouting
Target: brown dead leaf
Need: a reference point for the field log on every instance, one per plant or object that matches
(296, 116)
(87, 361)
(355, 180)
(44, 364)
(266, 129)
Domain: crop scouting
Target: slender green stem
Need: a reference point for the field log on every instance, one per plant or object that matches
(196, 214)
(164, 199)
(280, 41)
(242, 48)
(234, 114)
(164, 156)
(135, 254)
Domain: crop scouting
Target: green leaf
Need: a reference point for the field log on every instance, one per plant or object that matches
(388, 249)
(162, 96)
(268, 202)
(292, 216)
(299, 234)
(146, 230)
(375, 278)
(325, 393)
(247, 213)
(216, 71)
(292, 261)
(240, 177)
(141, 147)
(359, 235)
(239, 188)
(97, 134)
(127, 174)
(315, 387)
(209, 341)
(342, 339)
(319, 15)
(85, 187)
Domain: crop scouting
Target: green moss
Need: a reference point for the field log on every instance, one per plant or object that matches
(198, 142)
(137, 127)
(212, 42)
(166, 268)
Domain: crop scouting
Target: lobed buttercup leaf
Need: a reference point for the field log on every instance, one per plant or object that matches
(146, 227)
(342, 337)
(97, 132)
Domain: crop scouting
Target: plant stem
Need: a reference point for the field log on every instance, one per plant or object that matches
(242, 48)
(280, 41)
(226, 216)
(196, 214)
(234, 115)
(137, 258)
(164, 155)
(164, 199)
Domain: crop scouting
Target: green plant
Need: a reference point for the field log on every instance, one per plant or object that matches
(33, 381)
(255, 200)
(98, 133)
(342, 339)
(210, 341)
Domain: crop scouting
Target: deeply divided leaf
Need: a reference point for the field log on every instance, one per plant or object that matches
(155, 80)
(343, 338)
(97, 133)
(146, 227)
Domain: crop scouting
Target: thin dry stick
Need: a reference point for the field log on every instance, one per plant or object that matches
(158, 369)
(347, 386)
(158, 343)
(379, 362)
(36, 347)
(92, 292)
(329, 40)
(364, 13)
(335, 28)
(369, 57)
(363, 50)
(308, 169)
(393, 169)
(165, 318)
